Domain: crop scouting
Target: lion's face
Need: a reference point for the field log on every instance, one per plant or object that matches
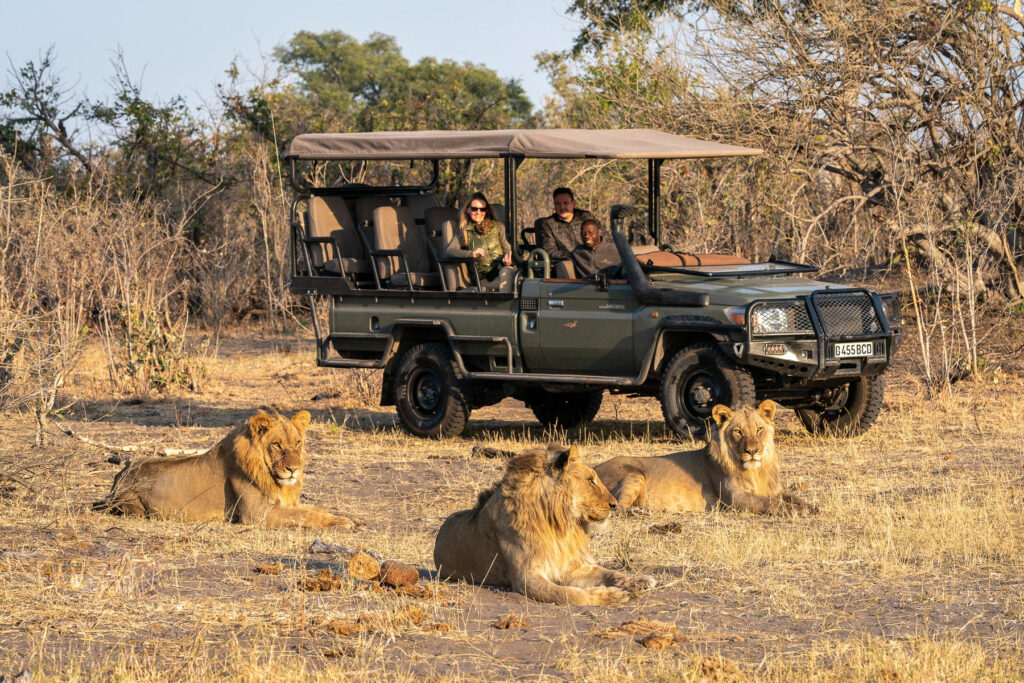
(591, 500)
(748, 433)
(280, 442)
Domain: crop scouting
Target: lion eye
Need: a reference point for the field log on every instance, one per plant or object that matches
(593, 481)
(737, 433)
(760, 429)
(276, 445)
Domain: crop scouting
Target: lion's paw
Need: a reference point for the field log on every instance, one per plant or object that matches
(636, 582)
(347, 522)
(608, 595)
(641, 582)
(803, 509)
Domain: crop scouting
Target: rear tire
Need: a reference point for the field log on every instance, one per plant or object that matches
(429, 397)
(858, 411)
(696, 380)
(566, 410)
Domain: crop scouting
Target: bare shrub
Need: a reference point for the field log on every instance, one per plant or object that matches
(42, 307)
(71, 258)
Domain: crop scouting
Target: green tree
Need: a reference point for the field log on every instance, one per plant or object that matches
(371, 86)
(331, 82)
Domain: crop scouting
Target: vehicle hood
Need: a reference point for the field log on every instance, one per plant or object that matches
(734, 291)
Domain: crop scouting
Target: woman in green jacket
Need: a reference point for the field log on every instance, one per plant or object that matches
(482, 238)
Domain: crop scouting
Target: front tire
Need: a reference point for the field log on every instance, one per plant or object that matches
(696, 380)
(857, 410)
(429, 397)
(566, 410)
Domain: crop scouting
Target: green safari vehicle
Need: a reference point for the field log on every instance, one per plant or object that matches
(694, 330)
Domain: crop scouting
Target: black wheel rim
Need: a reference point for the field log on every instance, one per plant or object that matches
(699, 393)
(426, 391)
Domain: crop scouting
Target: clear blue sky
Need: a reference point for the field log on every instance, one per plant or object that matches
(184, 47)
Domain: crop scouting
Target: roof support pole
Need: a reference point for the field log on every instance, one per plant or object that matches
(654, 199)
(511, 166)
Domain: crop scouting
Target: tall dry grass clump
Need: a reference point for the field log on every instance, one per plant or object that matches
(77, 260)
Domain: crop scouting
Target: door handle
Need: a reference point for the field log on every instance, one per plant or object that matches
(556, 302)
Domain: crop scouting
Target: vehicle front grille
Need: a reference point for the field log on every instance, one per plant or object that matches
(847, 315)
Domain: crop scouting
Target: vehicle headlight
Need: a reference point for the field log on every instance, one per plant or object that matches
(769, 320)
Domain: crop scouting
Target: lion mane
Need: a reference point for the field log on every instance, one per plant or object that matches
(530, 532)
(252, 476)
(738, 469)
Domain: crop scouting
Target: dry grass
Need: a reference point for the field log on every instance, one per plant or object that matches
(913, 570)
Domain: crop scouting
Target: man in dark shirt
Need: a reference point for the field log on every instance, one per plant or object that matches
(595, 254)
(559, 233)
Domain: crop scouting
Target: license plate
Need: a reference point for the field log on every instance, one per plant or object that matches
(853, 350)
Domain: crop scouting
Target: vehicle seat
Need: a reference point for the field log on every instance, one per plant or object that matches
(564, 270)
(500, 214)
(419, 204)
(394, 230)
(329, 217)
(365, 207)
(442, 224)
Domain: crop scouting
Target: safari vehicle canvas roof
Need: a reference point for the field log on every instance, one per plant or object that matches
(553, 143)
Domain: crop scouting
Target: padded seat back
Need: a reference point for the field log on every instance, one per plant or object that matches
(419, 204)
(330, 217)
(394, 228)
(442, 224)
(500, 214)
(365, 207)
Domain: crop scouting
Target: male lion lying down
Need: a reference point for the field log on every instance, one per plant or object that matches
(738, 468)
(253, 476)
(529, 532)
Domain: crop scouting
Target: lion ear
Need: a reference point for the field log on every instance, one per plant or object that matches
(301, 420)
(767, 409)
(721, 414)
(260, 423)
(572, 454)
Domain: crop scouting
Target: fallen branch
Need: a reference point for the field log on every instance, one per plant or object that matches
(67, 431)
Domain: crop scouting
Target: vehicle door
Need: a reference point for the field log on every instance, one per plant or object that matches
(581, 327)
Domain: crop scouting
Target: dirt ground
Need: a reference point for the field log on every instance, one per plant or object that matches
(912, 569)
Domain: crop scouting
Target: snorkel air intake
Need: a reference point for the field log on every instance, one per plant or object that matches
(643, 290)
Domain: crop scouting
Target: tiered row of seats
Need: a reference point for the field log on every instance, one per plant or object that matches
(398, 242)
(392, 242)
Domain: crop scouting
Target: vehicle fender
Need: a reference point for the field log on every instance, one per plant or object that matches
(405, 335)
(676, 334)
